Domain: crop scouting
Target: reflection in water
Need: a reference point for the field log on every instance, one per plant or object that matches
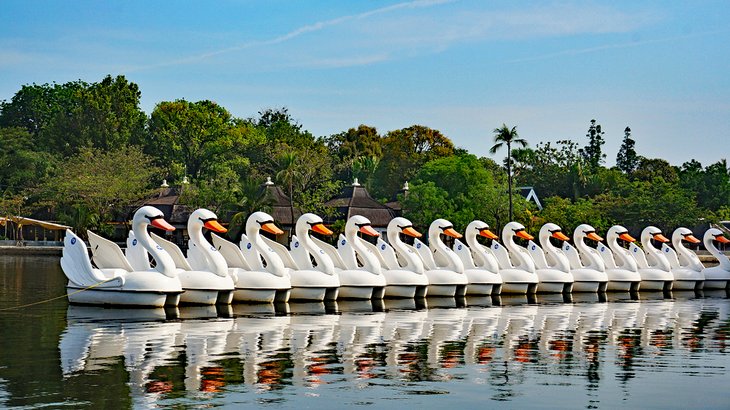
(613, 350)
(509, 345)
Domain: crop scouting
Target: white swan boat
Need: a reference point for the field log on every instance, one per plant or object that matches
(306, 284)
(356, 282)
(586, 264)
(403, 269)
(122, 285)
(654, 268)
(443, 268)
(685, 264)
(202, 285)
(716, 277)
(621, 269)
(553, 271)
(480, 265)
(515, 264)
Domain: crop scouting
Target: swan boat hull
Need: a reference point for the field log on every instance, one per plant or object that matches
(656, 280)
(402, 283)
(716, 278)
(589, 280)
(687, 279)
(518, 282)
(442, 282)
(312, 285)
(259, 286)
(554, 281)
(205, 288)
(483, 282)
(115, 296)
(622, 280)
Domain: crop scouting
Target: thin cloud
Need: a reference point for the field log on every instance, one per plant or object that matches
(310, 28)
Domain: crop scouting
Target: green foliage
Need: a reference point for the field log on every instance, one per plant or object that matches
(569, 214)
(94, 185)
(350, 146)
(506, 136)
(460, 189)
(593, 152)
(404, 152)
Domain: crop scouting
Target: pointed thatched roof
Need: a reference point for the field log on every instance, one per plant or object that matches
(166, 200)
(282, 210)
(355, 200)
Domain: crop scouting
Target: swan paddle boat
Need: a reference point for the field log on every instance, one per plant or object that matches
(586, 264)
(202, 256)
(553, 271)
(356, 282)
(255, 281)
(654, 268)
(515, 264)
(443, 268)
(686, 266)
(716, 277)
(306, 284)
(122, 285)
(480, 266)
(621, 269)
(403, 269)
(202, 286)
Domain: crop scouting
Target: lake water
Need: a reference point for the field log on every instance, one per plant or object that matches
(645, 351)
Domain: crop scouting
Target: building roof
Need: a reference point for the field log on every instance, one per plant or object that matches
(166, 200)
(282, 210)
(394, 202)
(355, 200)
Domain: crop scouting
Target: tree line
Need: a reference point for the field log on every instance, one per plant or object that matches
(84, 153)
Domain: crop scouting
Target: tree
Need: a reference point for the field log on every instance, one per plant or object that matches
(94, 185)
(349, 146)
(404, 152)
(651, 168)
(626, 159)
(22, 164)
(593, 153)
(506, 136)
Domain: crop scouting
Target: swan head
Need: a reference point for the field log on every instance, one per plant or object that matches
(442, 226)
(619, 232)
(652, 232)
(261, 221)
(683, 234)
(149, 215)
(204, 218)
(400, 225)
(586, 231)
(310, 221)
(513, 229)
(714, 234)
(551, 230)
(479, 228)
(359, 223)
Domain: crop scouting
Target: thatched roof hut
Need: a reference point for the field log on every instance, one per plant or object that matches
(355, 200)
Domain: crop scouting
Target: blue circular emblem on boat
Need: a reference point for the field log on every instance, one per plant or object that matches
(321, 251)
(134, 242)
(73, 241)
(458, 247)
(343, 242)
(248, 245)
(666, 250)
(602, 249)
(382, 247)
(496, 246)
(159, 247)
(534, 247)
(296, 244)
(418, 246)
(636, 250)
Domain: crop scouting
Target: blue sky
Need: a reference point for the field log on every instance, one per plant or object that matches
(463, 67)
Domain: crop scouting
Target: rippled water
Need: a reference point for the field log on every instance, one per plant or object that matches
(648, 351)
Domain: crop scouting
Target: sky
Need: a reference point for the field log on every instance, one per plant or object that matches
(460, 66)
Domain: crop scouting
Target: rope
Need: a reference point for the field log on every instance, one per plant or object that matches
(57, 297)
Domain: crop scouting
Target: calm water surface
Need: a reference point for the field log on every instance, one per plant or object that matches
(646, 351)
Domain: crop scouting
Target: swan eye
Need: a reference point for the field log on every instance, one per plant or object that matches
(262, 223)
(443, 228)
(519, 230)
(152, 218)
(206, 220)
(559, 230)
(361, 225)
(404, 227)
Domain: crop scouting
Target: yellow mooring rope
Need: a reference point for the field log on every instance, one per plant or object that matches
(57, 297)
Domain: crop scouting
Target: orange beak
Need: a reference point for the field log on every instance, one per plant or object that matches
(271, 228)
(525, 235)
(411, 232)
(488, 234)
(452, 233)
(214, 226)
(594, 237)
(661, 238)
(691, 239)
(627, 237)
(369, 230)
(162, 224)
(722, 239)
(320, 228)
(560, 235)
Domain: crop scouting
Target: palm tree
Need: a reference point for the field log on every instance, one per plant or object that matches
(505, 135)
(289, 172)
